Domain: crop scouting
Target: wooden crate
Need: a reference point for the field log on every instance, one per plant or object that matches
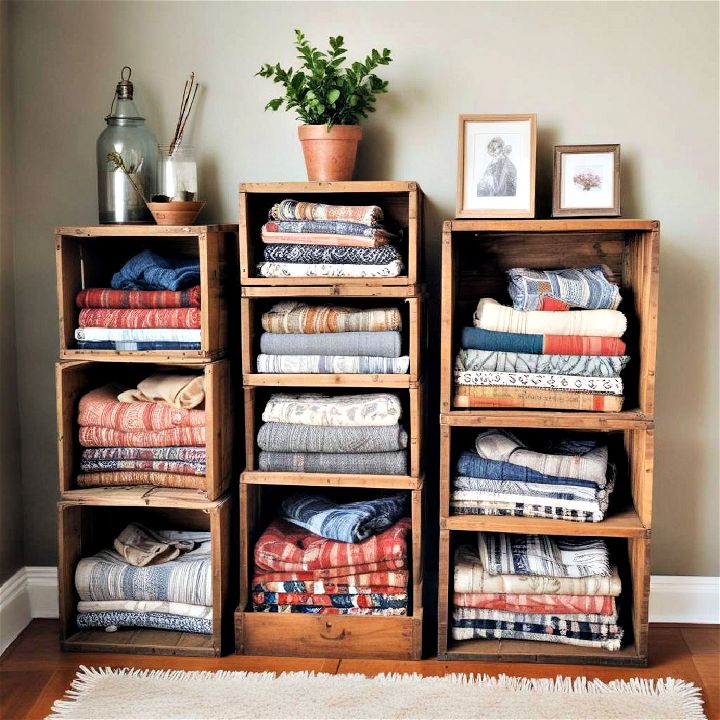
(413, 335)
(401, 202)
(88, 256)
(88, 521)
(476, 255)
(631, 554)
(74, 379)
(338, 636)
(412, 416)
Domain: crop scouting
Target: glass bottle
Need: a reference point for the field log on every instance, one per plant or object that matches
(126, 134)
(177, 172)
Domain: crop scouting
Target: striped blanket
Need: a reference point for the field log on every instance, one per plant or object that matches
(296, 317)
(325, 227)
(115, 478)
(160, 466)
(376, 463)
(149, 318)
(373, 581)
(468, 613)
(333, 364)
(324, 239)
(95, 436)
(293, 437)
(339, 574)
(369, 215)
(108, 298)
(190, 455)
(548, 604)
(322, 610)
(135, 346)
(377, 344)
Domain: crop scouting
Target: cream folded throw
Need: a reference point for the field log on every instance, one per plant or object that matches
(182, 391)
(369, 410)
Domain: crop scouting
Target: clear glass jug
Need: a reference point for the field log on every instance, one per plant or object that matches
(177, 172)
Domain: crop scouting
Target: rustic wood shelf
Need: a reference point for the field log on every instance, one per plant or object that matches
(560, 419)
(390, 482)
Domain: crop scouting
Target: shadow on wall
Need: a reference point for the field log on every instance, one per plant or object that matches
(375, 153)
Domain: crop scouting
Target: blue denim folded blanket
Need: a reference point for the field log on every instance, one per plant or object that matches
(149, 271)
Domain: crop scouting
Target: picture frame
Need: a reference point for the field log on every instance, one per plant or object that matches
(586, 181)
(496, 166)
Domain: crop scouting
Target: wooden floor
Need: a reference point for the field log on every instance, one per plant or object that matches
(33, 671)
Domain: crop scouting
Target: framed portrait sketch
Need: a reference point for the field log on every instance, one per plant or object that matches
(496, 166)
(586, 181)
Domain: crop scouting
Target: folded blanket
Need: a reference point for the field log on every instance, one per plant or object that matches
(331, 254)
(348, 522)
(146, 606)
(287, 269)
(187, 579)
(286, 547)
(320, 587)
(378, 344)
(297, 317)
(292, 437)
(140, 546)
(548, 490)
(320, 610)
(522, 509)
(121, 478)
(108, 298)
(182, 391)
(374, 463)
(333, 364)
(373, 409)
(158, 621)
(585, 459)
(469, 613)
(468, 396)
(544, 603)
(490, 315)
(352, 584)
(512, 500)
(325, 239)
(95, 436)
(325, 227)
(513, 342)
(586, 288)
(546, 555)
(100, 408)
(373, 600)
(149, 271)
(134, 346)
(340, 574)
(156, 466)
(567, 383)
(370, 215)
(471, 576)
(154, 318)
(139, 335)
(494, 361)
(190, 455)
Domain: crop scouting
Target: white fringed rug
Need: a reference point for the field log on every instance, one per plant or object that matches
(105, 694)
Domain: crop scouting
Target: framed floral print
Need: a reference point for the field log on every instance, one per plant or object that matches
(586, 181)
(496, 166)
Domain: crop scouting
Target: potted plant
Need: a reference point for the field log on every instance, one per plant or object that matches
(329, 97)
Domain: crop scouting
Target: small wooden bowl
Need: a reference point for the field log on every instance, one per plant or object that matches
(176, 212)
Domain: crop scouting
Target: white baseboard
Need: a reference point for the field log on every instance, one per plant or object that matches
(32, 592)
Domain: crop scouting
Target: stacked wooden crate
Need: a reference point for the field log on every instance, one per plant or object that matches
(262, 492)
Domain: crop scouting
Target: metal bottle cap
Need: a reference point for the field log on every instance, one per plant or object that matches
(124, 89)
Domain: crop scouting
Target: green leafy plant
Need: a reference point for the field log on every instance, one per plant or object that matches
(323, 91)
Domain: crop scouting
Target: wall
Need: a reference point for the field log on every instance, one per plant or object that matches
(641, 74)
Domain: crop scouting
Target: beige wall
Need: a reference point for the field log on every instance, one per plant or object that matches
(641, 74)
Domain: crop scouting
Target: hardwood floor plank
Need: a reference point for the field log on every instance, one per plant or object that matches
(18, 691)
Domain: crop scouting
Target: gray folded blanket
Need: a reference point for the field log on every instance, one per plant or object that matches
(292, 437)
(375, 463)
(377, 344)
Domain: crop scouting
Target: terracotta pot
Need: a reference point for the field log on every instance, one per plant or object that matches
(176, 212)
(330, 155)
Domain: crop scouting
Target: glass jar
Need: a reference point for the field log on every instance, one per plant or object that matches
(177, 172)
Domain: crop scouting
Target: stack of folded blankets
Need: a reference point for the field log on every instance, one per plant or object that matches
(327, 559)
(566, 479)
(355, 434)
(153, 304)
(536, 587)
(159, 579)
(305, 239)
(150, 435)
(541, 353)
(300, 338)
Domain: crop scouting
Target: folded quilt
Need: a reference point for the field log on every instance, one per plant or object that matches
(141, 546)
(522, 509)
(333, 364)
(146, 606)
(539, 344)
(349, 522)
(158, 466)
(585, 459)
(585, 288)
(297, 317)
(373, 600)
(155, 318)
(137, 335)
(502, 396)
(306, 582)
(375, 409)
(546, 555)
(108, 298)
(466, 613)
(548, 604)
(187, 579)
(95, 436)
(471, 576)
(380, 344)
(190, 455)
(320, 587)
(120, 478)
(567, 383)
(490, 315)
(158, 621)
(292, 437)
(331, 254)
(320, 610)
(288, 269)
(182, 391)
(376, 463)
(495, 361)
(149, 271)
(100, 408)
(370, 215)
(325, 227)
(340, 574)
(557, 491)
(135, 346)
(324, 239)
(286, 547)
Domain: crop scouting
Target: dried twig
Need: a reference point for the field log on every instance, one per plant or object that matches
(186, 103)
(116, 159)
